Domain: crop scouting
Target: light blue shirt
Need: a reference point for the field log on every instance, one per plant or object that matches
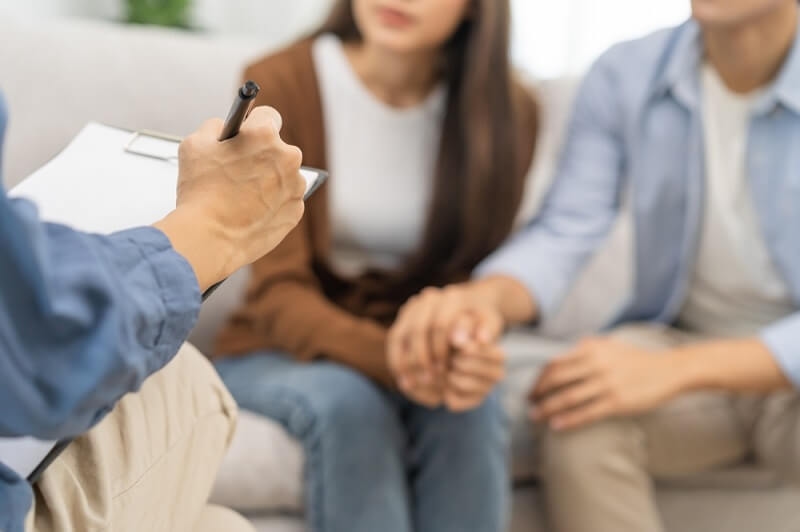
(637, 127)
(84, 319)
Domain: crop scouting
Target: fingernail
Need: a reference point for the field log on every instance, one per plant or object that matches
(460, 337)
(485, 335)
(557, 424)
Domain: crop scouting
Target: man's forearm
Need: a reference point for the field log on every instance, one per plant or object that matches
(510, 297)
(743, 366)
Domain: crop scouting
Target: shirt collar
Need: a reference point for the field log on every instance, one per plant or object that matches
(680, 76)
(786, 88)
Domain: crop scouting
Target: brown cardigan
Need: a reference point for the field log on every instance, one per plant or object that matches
(295, 303)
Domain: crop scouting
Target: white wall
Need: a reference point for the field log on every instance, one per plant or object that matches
(557, 37)
(551, 37)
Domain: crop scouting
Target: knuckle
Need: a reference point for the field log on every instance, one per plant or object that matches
(417, 329)
(298, 209)
(451, 293)
(298, 189)
(571, 398)
(440, 323)
(293, 158)
(267, 117)
(187, 145)
(430, 292)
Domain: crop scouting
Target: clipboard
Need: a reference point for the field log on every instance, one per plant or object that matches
(143, 144)
(107, 180)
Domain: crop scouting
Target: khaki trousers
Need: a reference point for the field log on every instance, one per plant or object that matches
(148, 466)
(600, 478)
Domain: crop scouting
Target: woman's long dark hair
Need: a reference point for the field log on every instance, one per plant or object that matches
(478, 183)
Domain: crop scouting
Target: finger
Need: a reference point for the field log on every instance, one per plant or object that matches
(567, 399)
(468, 385)
(489, 327)
(560, 373)
(393, 353)
(462, 334)
(398, 359)
(490, 353)
(486, 368)
(462, 403)
(589, 413)
(423, 395)
(264, 116)
(419, 338)
(448, 311)
(291, 161)
(438, 331)
(400, 332)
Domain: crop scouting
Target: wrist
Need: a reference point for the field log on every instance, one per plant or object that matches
(508, 297)
(687, 370)
(203, 243)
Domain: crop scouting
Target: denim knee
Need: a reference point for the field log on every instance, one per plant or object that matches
(487, 422)
(348, 404)
(310, 399)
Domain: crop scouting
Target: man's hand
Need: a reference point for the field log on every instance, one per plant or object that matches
(237, 199)
(603, 378)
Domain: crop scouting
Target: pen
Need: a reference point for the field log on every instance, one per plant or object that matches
(241, 107)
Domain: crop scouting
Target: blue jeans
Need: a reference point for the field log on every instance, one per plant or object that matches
(376, 462)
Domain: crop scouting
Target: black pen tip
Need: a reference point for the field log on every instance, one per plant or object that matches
(250, 89)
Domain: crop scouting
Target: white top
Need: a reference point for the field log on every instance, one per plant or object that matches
(382, 163)
(736, 289)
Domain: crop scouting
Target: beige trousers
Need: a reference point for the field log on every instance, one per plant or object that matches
(149, 465)
(600, 478)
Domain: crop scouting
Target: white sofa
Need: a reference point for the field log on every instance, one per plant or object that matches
(61, 74)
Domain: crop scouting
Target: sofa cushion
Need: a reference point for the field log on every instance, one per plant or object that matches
(263, 469)
(683, 511)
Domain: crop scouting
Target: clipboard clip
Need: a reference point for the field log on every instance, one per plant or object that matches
(155, 145)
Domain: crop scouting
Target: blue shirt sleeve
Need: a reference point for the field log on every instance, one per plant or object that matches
(783, 340)
(84, 319)
(582, 205)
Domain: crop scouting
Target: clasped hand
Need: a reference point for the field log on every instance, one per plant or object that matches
(443, 349)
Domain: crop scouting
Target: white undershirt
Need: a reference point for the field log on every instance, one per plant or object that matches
(736, 289)
(382, 163)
